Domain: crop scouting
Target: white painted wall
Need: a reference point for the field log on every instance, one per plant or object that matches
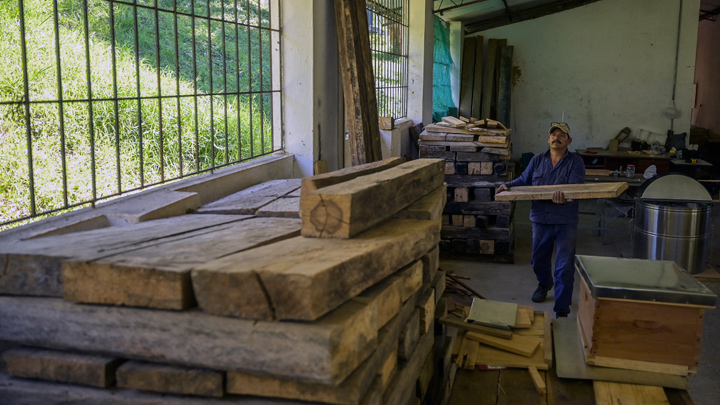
(607, 65)
(420, 61)
(707, 77)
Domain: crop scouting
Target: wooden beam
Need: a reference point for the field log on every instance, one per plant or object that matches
(467, 76)
(319, 181)
(489, 79)
(304, 278)
(327, 350)
(482, 24)
(346, 209)
(571, 191)
(477, 86)
(358, 81)
(505, 85)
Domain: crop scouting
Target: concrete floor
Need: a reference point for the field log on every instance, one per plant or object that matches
(516, 282)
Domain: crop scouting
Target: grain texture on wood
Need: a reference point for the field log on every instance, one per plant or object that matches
(248, 201)
(346, 209)
(34, 267)
(52, 365)
(571, 191)
(311, 276)
(316, 182)
(326, 350)
(283, 207)
(158, 276)
(429, 207)
(358, 81)
(350, 392)
(163, 378)
(518, 344)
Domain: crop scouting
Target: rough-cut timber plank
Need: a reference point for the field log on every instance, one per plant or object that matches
(453, 232)
(402, 386)
(310, 184)
(32, 392)
(431, 264)
(488, 83)
(346, 209)
(310, 276)
(412, 278)
(409, 336)
(52, 365)
(385, 296)
(158, 276)
(349, 392)
(427, 311)
(357, 81)
(477, 88)
(473, 131)
(248, 201)
(327, 350)
(170, 379)
(429, 207)
(33, 267)
(608, 393)
(467, 76)
(571, 191)
(283, 207)
(504, 85)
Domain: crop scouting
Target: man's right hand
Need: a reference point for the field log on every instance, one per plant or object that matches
(503, 187)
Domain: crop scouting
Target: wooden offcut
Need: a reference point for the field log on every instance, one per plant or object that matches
(304, 278)
(346, 209)
(326, 350)
(65, 367)
(358, 81)
(538, 380)
(571, 191)
(168, 379)
(309, 184)
(158, 276)
(454, 122)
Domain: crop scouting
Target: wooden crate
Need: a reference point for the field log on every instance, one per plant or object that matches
(641, 331)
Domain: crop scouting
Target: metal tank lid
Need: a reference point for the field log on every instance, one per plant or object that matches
(642, 280)
(673, 187)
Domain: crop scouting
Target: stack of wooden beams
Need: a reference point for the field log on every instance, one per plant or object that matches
(228, 303)
(475, 154)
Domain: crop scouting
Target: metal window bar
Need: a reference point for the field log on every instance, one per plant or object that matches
(388, 24)
(134, 142)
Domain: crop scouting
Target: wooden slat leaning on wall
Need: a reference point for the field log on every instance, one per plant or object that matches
(467, 76)
(358, 81)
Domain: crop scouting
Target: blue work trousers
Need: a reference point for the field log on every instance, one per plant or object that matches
(564, 236)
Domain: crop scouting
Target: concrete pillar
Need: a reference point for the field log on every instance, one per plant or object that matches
(420, 62)
(312, 114)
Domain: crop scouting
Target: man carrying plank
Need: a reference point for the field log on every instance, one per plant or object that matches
(554, 221)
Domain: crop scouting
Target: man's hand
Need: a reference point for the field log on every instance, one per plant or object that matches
(558, 197)
(503, 187)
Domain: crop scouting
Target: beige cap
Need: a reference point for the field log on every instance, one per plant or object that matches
(560, 125)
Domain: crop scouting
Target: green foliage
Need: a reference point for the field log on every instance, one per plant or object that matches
(133, 141)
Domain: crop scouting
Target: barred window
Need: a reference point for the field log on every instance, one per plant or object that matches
(103, 97)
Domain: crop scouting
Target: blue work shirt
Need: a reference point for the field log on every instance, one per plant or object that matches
(540, 172)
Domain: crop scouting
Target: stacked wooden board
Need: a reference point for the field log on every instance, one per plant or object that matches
(226, 303)
(474, 223)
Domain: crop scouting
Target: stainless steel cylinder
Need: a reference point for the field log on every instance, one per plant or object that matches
(677, 231)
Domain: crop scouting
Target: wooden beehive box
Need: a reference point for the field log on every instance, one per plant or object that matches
(642, 312)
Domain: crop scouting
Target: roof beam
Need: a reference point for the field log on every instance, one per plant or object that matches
(473, 26)
(708, 15)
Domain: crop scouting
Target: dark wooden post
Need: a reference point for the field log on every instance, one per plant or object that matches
(505, 85)
(358, 81)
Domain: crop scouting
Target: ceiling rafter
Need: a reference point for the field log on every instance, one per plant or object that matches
(709, 15)
(455, 5)
(517, 15)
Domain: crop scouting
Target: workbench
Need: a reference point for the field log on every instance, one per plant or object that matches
(603, 159)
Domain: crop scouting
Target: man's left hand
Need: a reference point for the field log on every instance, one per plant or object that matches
(558, 197)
